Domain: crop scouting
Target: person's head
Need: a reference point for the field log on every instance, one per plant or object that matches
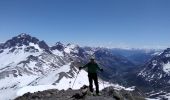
(92, 60)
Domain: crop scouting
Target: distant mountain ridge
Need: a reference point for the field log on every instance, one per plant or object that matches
(137, 56)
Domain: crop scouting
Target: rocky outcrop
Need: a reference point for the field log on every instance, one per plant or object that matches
(108, 93)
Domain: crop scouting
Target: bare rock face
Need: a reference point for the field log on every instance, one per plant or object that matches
(108, 93)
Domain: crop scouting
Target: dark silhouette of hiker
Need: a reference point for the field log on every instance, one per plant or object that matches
(92, 68)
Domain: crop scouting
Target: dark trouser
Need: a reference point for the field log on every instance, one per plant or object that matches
(93, 77)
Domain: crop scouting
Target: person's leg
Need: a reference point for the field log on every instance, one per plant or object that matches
(90, 82)
(96, 83)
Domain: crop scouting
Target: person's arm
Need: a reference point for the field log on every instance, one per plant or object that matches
(99, 67)
(83, 66)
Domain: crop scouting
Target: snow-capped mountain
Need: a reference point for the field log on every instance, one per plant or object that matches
(69, 50)
(27, 61)
(24, 40)
(157, 70)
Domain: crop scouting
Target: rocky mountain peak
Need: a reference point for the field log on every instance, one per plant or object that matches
(20, 40)
(73, 46)
(59, 46)
(26, 40)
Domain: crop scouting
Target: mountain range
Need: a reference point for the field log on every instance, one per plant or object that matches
(27, 62)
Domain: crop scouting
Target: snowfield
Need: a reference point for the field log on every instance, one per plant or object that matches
(65, 83)
(166, 68)
(17, 86)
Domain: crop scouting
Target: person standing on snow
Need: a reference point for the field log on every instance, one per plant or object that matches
(92, 68)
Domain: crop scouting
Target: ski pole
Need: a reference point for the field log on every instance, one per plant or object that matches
(103, 84)
(75, 79)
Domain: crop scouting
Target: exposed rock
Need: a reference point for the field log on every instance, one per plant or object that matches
(108, 93)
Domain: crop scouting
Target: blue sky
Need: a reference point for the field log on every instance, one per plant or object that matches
(109, 23)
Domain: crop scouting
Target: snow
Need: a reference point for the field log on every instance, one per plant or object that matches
(23, 34)
(23, 84)
(52, 76)
(159, 96)
(157, 53)
(10, 85)
(31, 64)
(167, 55)
(36, 46)
(67, 50)
(166, 68)
(154, 63)
(151, 99)
(64, 68)
(166, 96)
(130, 88)
(12, 59)
(19, 81)
(81, 80)
(152, 76)
(65, 83)
(160, 76)
(62, 85)
(37, 70)
(7, 94)
(70, 48)
(119, 87)
(44, 83)
(33, 89)
(57, 52)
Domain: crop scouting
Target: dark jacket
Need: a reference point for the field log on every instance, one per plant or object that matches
(92, 67)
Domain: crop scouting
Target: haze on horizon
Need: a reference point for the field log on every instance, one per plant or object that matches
(107, 23)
